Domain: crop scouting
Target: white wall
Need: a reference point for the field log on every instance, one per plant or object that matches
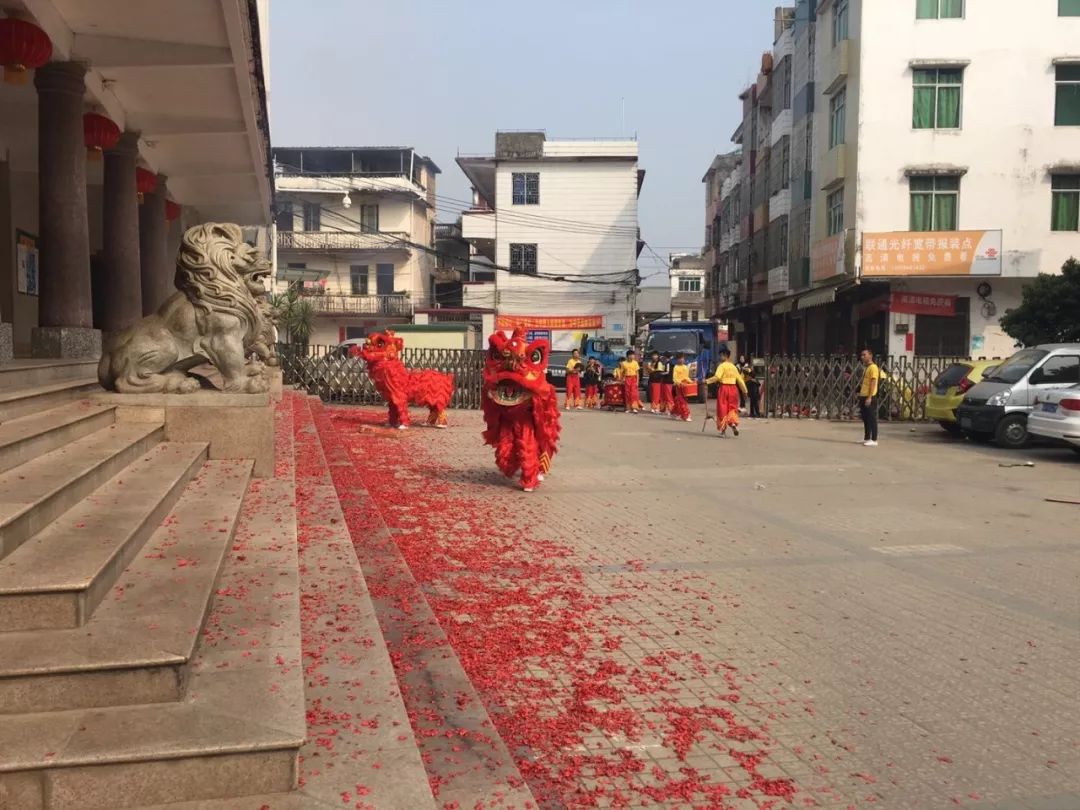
(1008, 140)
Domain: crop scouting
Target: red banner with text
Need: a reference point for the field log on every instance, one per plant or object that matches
(551, 322)
(913, 303)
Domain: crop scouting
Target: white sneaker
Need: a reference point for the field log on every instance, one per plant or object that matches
(870, 443)
(688, 419)
(540, 477)
(402, 427)
(528, 489)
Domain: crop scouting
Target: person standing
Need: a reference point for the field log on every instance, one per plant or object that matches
(753, 393)
(667, 399)
(680, 374)
(868, 393)
(593, 373)
(732, 385)
(630, 372)
(574, 367)
(656, 370)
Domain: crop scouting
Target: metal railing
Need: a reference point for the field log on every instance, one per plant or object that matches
(341, 240)
(400, 306)
(826, 387)
(333, 375)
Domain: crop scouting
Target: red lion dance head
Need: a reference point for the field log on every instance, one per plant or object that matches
(521, 410)
(401, 386)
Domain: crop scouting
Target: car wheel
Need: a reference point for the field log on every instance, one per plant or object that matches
(950, 427)
(977, 437)
(1012, 432)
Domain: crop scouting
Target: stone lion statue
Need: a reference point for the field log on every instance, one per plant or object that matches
(218, 315)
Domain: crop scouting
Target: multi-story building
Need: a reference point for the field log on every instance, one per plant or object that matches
(558, 220)
(355, 235)
(717, 227)
(942, 173)
(687, 286)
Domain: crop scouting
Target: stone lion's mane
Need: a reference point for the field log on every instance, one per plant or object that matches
(206, 272)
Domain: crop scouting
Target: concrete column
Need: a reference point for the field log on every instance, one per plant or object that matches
(65, 313)
(157, 280)
(120, 292)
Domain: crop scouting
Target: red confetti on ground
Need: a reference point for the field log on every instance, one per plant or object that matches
(546, 653)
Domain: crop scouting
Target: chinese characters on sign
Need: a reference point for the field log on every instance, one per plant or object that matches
(828, 258)
(26, 262)
(544, 322)
(907, 303)
(952, 253)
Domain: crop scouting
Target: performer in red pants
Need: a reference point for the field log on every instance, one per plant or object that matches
(727, 399)
(680, 374)
(629, 371)
(667, 388)
(574, 367)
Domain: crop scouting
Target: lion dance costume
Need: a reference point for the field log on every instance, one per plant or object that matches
(521, 408)
(401, 386)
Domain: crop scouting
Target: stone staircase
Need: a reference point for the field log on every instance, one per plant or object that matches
(113, 544)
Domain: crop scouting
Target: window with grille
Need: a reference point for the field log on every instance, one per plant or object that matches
(1065, 208)
(840, 21)
(937, 98)
(838, 118)
(834, 205)
(358, 279)
(369, 218)
(689, 284)
(312, 217)
(1067, 101)
(939, 9)
(526, 189)
(523, 259)
(935, 203)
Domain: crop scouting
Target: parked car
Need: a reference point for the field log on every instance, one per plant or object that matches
(998, 407)
(949, 388)
(1056, 417)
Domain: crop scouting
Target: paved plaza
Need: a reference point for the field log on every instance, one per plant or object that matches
(676, 619)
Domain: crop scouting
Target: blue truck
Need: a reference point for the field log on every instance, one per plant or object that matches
(696, 339)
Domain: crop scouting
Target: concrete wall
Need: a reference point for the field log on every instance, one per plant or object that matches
(1008, 141)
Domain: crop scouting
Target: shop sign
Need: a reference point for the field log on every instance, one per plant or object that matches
(549, 322)
(778, 280)
(828, 258)
(915, 303)
(538, 334)
(946, 253)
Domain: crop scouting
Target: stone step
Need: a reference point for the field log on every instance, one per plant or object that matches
(20, 374)
(14, 404)
(58, 577)
(137, 645)
(39, 491)
(241, 721)
(31, 436)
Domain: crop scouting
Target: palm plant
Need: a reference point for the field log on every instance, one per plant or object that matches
(293, 316)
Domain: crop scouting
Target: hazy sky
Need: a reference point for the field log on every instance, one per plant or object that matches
(443, 76)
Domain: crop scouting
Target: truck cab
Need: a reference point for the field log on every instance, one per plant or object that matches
(695, 339)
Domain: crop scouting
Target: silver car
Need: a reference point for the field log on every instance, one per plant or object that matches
(998, 407)
(1056, 417)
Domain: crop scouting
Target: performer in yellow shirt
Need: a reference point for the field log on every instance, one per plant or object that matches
(868, 391)
(629, 371)
(727, 398)
(574, 369)
(680, 375)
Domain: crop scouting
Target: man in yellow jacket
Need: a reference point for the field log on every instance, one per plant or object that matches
(727, 398)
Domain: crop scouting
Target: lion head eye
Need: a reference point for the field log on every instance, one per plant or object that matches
(537, 355)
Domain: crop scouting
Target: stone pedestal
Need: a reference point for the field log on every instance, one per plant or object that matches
(7, 343)
(235, 425)
(65, 342)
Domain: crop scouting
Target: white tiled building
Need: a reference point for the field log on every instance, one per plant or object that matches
(559, 220)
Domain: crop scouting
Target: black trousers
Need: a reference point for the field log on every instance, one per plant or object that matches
(754, 395)
(869, 418)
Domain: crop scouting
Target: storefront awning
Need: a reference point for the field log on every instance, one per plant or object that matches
(783, 306)
(817, 298)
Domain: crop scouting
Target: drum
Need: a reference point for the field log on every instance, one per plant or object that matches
(689, 389)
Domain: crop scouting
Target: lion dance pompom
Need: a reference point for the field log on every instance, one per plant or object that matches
(401, 386)
(521, 408)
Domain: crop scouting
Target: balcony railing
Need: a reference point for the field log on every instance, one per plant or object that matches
(342, 240)
(396, 306)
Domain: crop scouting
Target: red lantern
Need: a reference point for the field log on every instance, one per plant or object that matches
(172, 210)
(99, 133)
(145, 181)
(23, 47)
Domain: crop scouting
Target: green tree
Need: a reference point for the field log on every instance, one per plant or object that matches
(293, 316)
(1049, 311)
